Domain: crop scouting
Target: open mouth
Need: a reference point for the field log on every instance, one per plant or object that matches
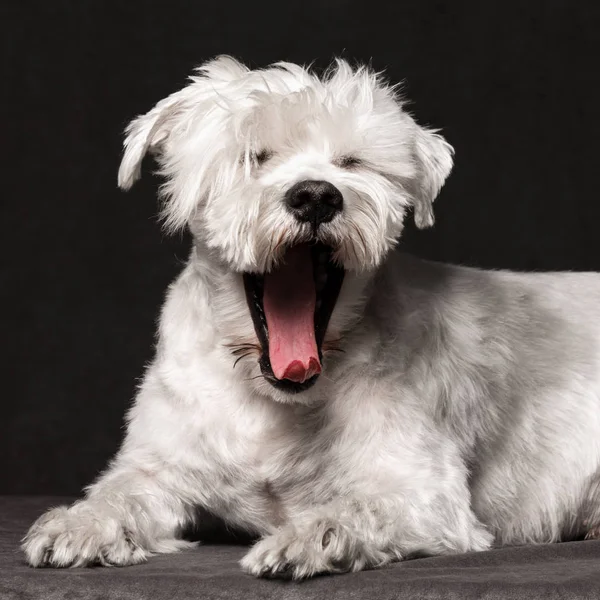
(290, 308)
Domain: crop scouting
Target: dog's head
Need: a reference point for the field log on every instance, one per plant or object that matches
(292, 180)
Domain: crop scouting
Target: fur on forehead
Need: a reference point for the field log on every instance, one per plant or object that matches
(207, 136)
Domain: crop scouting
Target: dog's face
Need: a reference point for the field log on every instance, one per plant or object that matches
(293, 181)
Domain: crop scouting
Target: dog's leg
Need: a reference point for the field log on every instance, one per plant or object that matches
(127, 515)
(134, 509)
(590, 510)
(362, 533)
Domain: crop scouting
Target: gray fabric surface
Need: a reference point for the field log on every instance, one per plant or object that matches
(556, 571)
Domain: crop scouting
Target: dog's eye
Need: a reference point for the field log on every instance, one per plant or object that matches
(262, 157)
(348, 161)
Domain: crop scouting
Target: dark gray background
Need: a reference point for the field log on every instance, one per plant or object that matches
(514, 85)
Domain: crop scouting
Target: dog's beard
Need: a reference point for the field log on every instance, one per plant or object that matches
(290, 307)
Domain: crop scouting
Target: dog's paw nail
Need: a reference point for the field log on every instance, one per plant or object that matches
(48, 555)
(327, 537)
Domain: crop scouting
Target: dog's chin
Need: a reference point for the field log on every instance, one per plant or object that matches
(290, 308)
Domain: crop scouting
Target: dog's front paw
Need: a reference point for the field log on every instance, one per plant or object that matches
(81, 535)
(303, 550)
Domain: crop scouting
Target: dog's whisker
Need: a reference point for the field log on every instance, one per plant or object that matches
(255, 377)
(280, 241)
(334, 350)
(240, 358)
(240, 344)
(360, 236)
(248, 350)
(270, 247)
(333, 345)
(352, 246)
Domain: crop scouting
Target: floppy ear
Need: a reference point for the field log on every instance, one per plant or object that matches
(149, 132)
(146, 133)
(433, 158)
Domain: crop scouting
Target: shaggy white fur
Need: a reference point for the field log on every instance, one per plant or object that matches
(465, 405)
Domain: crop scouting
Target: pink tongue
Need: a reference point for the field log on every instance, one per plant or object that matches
(289, 303)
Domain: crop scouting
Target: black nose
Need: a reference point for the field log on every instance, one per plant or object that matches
(314, 202)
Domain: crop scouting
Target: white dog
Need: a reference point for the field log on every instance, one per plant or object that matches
(348, 404)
